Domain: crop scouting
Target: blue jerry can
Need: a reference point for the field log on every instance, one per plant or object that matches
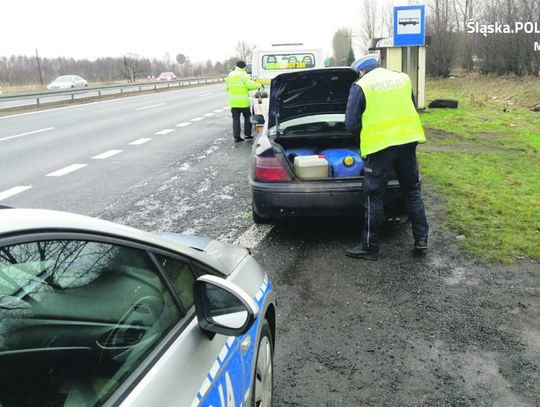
(344, 162)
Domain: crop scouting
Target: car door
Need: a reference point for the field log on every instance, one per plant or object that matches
(213, 370)
(80, 317)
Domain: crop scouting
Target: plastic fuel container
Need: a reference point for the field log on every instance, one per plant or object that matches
(311, 167)
(343, 162)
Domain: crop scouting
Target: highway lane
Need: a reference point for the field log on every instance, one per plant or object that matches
(6, 104)
(82, 157)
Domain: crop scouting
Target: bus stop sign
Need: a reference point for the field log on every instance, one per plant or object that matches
(409, 26)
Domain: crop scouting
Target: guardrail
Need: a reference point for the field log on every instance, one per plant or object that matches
(105, 90)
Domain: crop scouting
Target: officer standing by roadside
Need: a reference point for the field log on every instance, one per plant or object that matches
(381, 110)
(238, 84)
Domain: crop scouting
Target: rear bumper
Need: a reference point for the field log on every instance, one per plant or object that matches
(275, 200)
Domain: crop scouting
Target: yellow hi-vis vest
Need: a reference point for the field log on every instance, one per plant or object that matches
(390, 117)
(238, 85)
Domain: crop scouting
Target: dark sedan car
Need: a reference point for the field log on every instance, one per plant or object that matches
(305, 162)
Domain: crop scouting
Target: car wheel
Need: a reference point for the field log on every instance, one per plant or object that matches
(261, 393)
(259, 220)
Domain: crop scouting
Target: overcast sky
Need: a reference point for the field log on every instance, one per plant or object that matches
(204, 29)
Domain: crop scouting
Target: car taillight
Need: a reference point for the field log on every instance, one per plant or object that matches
(270, 169)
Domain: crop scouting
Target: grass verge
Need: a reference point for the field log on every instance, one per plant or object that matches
(487, 163)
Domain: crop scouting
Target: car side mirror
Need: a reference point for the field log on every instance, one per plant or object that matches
(257, 119)
(222, 307)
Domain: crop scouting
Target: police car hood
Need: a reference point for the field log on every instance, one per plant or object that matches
(310, 92)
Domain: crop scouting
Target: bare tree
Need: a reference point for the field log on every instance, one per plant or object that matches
(368, 27)
(441, 25)
(464, 11)
(132, 66)
(243, 50)
(342, 45)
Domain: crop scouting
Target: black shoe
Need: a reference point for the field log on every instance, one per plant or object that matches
(420, 246)
(360, 253)
(248, 137)
(237, 140)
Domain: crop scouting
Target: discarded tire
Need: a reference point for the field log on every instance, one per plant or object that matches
(443, 103)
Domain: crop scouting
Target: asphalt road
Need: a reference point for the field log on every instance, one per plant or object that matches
(45, 99)
(81, 157)
(440, 330)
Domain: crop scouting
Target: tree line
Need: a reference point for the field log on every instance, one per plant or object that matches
(23, 70)
(460, 35)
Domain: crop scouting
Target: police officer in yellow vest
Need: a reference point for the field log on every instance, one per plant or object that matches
(381, 110)
(238, 85)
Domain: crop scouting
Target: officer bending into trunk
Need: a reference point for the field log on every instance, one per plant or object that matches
(238, 85)
(380, 109)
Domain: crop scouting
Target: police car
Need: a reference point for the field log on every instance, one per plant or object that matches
(95, 313)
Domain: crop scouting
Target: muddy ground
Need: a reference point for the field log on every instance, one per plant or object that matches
(439, 330)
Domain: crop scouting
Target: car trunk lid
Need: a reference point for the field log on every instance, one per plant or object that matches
(307, 93)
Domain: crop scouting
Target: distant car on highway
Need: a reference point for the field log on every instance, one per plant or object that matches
(305, 162)
(167, 76)
(67, 82)
(95, 313)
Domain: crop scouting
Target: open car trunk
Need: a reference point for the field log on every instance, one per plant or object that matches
(320, 148)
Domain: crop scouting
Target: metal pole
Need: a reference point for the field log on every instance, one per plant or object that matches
(408, 61)
(39, 68)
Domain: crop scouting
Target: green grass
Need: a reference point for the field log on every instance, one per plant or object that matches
(490, 172)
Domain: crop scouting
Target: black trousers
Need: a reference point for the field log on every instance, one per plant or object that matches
(377, 168)
(246, 112)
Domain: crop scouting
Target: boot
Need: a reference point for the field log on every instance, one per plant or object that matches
(360, 253)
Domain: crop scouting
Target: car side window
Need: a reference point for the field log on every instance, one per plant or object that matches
(76, 318)
(181, 277)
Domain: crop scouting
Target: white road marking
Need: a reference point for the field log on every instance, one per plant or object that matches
(204, 94)
(208, 114)
(26, 134)
(226, 107)
(150, 107)
(196, 119)
(253, 236)
(66, 170)
(163, 132)
(183, 124)
(106, 154)
(13, 191)
(218, 110)
(140, 141)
